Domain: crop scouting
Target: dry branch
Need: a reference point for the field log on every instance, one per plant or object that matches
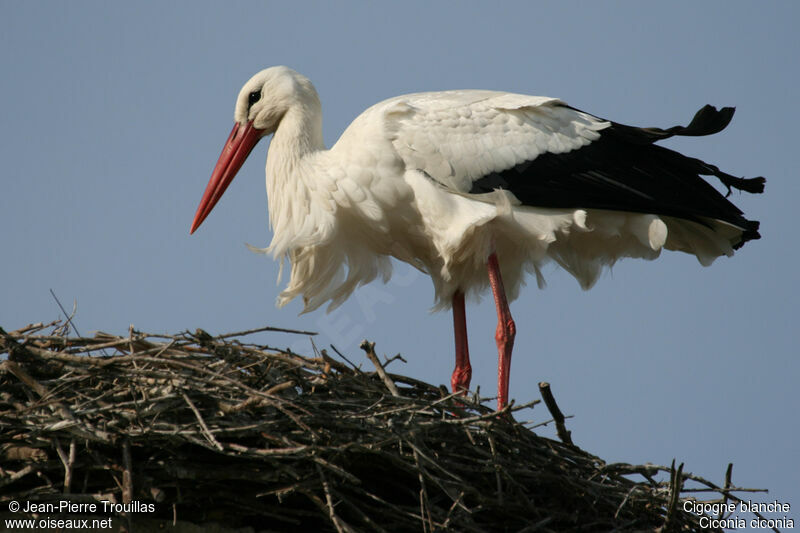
(558, 417)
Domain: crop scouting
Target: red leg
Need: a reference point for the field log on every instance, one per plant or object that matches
(463, 371)
(505, 333)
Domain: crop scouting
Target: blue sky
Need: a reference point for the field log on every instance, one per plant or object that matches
(114, 115)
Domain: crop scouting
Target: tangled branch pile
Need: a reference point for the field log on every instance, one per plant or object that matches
(215, 429)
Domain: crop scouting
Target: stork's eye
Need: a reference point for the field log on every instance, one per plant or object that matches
(254, 97)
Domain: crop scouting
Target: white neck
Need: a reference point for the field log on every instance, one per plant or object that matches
(298, 136)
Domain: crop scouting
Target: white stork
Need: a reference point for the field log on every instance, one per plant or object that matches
(460, 182)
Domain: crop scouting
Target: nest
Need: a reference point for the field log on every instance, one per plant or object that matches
(211, 429)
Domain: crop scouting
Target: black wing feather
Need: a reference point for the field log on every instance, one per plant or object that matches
(624, 170)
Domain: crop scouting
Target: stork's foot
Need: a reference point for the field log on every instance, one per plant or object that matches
(506, 330)
(504, 336)
(461, 378)
(462, 374)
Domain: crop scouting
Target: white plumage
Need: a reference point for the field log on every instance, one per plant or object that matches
(408, 179)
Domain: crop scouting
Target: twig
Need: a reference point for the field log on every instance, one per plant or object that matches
(206, 431)
(67, 316)
(627, 496)
(496, 466)
(424, 511)
(33, 328)
(340, 525)
(357, 368)
(395, 357)
(127, 473)
(265, 328)
(68, 460)
(675, 486)
(369, 348)
(558, 416)
(728, 475)
(9, 478)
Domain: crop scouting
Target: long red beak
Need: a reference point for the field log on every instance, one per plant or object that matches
(238, 146)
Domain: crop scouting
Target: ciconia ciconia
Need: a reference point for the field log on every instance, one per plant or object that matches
(458, 183)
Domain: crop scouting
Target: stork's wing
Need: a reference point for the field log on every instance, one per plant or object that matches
(551, 155)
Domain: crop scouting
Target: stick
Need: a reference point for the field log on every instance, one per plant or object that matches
(127, 473)
(675, 487)
(728, 475)
(424, 513)
(340, 525)
(68, 460)
(558, 416)
(127, 483)
(265, 328)
(206, 431)
(68, 317)
(340, 354)
(369, 348)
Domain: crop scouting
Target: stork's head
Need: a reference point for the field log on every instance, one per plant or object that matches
(260, 107)
(267, 96)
